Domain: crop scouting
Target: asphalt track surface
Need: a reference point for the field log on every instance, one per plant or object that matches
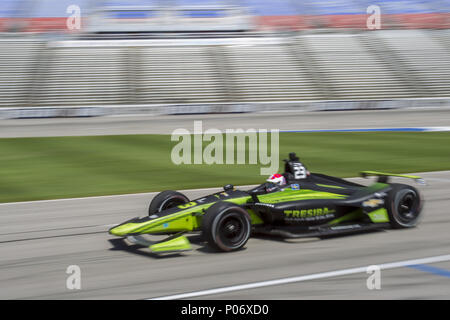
(39, 240)
(144, 124)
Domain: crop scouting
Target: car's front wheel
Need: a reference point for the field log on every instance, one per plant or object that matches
(226, 226)
(165, 200)
(404, 206)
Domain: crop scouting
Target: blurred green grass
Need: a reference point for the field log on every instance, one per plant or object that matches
(61, 167)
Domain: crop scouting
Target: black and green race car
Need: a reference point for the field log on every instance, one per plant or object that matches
(308, 205)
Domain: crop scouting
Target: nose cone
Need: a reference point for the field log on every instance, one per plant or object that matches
(123, 229)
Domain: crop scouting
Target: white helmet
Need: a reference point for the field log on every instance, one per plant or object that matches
(277, 179)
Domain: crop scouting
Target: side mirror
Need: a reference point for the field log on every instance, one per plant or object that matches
(421, 181)
(228, 187)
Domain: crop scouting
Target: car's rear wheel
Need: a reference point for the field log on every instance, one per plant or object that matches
(226, 226)
(404, 206)
(165, 200)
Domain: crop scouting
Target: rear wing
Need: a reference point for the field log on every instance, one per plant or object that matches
(384, 176)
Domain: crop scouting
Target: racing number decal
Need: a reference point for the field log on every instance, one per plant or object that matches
(299, 170)
(187, 205)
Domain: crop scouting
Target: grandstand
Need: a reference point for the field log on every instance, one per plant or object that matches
(254, 68)
(366, 66)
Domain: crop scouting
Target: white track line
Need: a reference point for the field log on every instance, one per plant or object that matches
(438, 129)
(314, 276)
(117, 195)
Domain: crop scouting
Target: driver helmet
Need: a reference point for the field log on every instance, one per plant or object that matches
(277, 179)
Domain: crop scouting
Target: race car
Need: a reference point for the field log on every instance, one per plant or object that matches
(294, 204)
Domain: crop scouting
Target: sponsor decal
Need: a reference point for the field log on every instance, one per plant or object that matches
(379, 215)
(372, 203)
(265, 205)
(295, 186)
(310, 214)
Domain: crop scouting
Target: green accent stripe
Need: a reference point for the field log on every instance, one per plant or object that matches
(302, 194)
(376, 173)
(349, 216)
(329, 186)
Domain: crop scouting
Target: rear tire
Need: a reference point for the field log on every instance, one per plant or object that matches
(226, 226)
(165, 200)
(404, 205)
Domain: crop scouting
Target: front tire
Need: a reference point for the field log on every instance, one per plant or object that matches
(226, 226)
(404, 206)
(165, 200)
